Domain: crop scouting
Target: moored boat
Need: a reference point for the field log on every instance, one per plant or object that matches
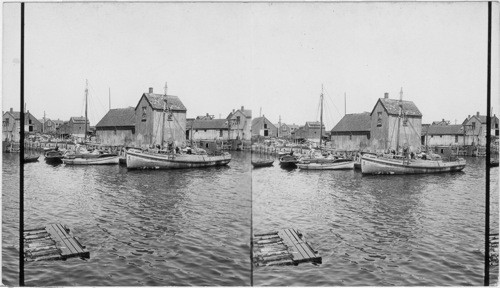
(288, 161)
(262, 163)
(137, 159)
(30, 158)
(326, 164)
(90, 159)
(54, 157)
(371, 164)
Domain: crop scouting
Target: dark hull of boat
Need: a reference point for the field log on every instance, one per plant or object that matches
(31, 159)
(258, 164)
(54, 160)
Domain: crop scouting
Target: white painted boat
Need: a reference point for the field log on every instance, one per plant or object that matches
(326, 164)
(101, 160)
(371, 164)
(137, 159)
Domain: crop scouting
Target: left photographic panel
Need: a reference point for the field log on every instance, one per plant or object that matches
(124, 182)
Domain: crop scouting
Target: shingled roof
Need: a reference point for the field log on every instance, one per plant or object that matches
(354, 123)
(156, 101)
(207, 124)
(78, 119)
(119, 117)
(445, 130)
(392, 107)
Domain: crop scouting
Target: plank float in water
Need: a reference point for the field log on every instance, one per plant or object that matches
(52, 242)
(285, 247)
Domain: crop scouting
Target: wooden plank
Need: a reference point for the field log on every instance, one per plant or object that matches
(266, 233)
(297, 246)
(299, 255)
(66, 237)
(66, 248)
(302, 243)
(73, 240)
(314, 254)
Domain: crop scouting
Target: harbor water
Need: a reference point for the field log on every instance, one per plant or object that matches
(377, 230)
(193, 227)
(142, 227)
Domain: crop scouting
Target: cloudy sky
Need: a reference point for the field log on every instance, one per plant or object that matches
(269, 57)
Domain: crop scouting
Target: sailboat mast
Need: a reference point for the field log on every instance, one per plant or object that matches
(86, 103)
(321, 119)
(399, 118)
(163, 123)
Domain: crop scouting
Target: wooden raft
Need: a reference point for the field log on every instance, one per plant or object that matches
(493, 249)
(285, 247)
(52, 242)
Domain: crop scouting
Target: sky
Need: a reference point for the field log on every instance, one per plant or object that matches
(272, 58)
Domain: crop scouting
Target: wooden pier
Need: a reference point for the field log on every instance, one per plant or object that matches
(52, 242)
(285, 247)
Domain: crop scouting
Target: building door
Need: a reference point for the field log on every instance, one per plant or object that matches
(266, 132)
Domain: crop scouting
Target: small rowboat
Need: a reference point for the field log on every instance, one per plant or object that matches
(262, 163)
(288, 161)
(102, 159)
(53, 157)
(30, 158)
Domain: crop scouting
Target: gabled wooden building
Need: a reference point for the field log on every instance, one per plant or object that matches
(240, 124)
(384, 124)
(152, 124)
(11, 126)
(117, 127)
(261, 126)
(352, 132)
(201, 129)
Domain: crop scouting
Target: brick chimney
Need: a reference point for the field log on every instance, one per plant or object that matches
(477, 114)
(233, 110)
(386, 95)
(242, 108)
(150, 90)
(11, 110)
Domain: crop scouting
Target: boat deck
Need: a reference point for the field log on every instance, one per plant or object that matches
(52, 242)
(285, 247)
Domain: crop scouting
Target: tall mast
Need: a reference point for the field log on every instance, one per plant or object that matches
(321, 119)
(163, 122)
(86, 96)
(399, 118)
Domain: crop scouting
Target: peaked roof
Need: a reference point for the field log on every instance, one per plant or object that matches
(16, 115)
(246, 112)
(207, 124)
(78, 119)
(314, 124)
(118, 117)
(156, 101)
(259, 120)
(445, 130)
(392, 107)
(354, 122)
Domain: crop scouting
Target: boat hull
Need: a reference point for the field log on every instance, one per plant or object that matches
(145, 160)
(91, 161)
(378, 165)
(257, 164)
(345, 165)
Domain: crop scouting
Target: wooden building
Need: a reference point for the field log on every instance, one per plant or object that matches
(117, 127)
(214, 129)
(352, 132)
(240, 124)
(11, 126)
(76, 127)
(443, 135)
(160, 117)
(261, 126)
(384, 124)
(31, 124)
(284, 131)
(312, 131)
(475, 129)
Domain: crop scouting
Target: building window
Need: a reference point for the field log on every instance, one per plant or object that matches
(379, 119)
(496, 125)
(220, 134)
(405, 121)
(440, 136)
(143, 113)
(265, 126)
(473, 125)
(350, 137)
(237, 119)
(205, 130)
(456, 138)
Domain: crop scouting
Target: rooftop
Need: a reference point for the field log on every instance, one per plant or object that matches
(157, 101)
(392, 107)
(118, 117)
(354, 122)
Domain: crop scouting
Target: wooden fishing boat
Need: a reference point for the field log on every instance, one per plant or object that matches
(30, 158)
(494, 163)
(137, 159)
(89, 159)
(288, 161)
(326, 164)
(54, 157)
(371, 164)
(262, 163)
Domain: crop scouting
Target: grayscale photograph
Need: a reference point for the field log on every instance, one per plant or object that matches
(250, 143)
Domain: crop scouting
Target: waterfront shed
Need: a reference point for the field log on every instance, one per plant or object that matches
(352, 132)
(214, 129)
(261, 126)
(384, 120)
(160, 118)
(442, 135)
(117, 127)
(240, 124)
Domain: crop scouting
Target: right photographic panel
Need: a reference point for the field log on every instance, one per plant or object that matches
(371, 162)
